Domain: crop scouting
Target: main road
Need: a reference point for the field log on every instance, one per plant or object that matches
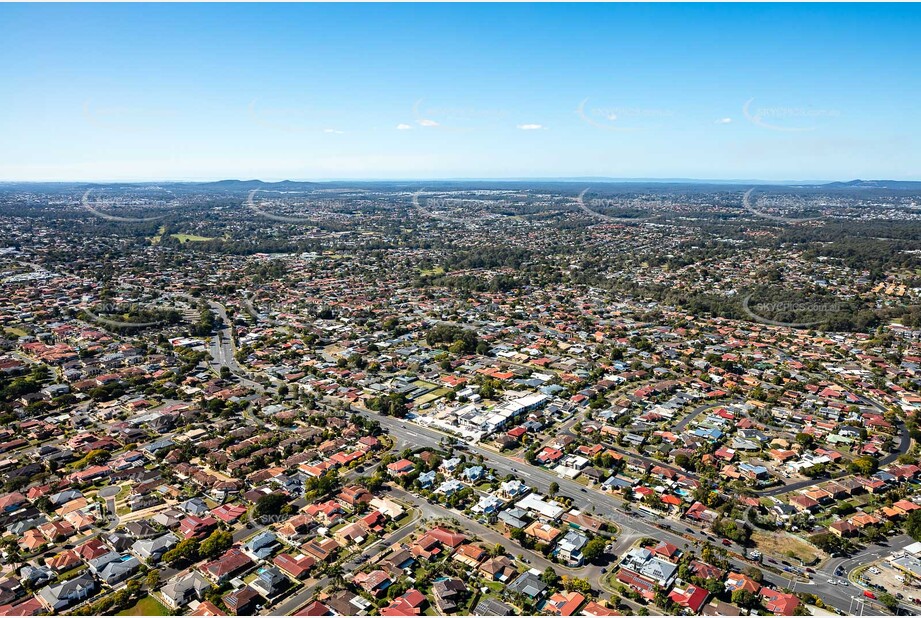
(632, 525)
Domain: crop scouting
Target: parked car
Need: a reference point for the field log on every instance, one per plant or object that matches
(727, 542)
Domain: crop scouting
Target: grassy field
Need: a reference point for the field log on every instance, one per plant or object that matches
(441, 392)
(156, 239)
(184, 238)
(783, 544)
(148, 606)
(432, 272)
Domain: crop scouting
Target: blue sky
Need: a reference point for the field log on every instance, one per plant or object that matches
(188, 92)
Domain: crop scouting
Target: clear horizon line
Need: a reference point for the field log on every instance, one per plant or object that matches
(611, 179)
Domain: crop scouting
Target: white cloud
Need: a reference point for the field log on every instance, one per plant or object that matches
(724, 121)
(530, 127)
(403, 127)
(425, 122)
(336, 131)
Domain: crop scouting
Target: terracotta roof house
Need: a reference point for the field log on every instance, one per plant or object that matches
(843, 528)
(544, 533)
(193, 527)
(243, 601)
(738, 581)
(470, 554)
(401, 467)
(315, 609)
(592, 608)
(31, 540)
(207, 608)
(692, 597)
(563, 604)
(667, 551)
(374, 583)
(447, 537)
(410, 603)
(803, 503)
(500, 568)
(232, 562)
(780, 603)
(298, 568)
(63, 561)
(704, 570)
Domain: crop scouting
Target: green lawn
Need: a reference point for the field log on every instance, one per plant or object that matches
(407, 516)
(148, 606)
(432, 396)
(184, 238)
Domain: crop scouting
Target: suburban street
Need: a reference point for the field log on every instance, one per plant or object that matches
(632, 525)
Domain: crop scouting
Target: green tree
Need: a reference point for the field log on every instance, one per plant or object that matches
(889, 601)
(270, 504)
(744, 599)
(216, 544)
(153, 579)
(550, 577)
(913, 525)
(185, 551)
(594, 549)
(828, 542)
(865, 465)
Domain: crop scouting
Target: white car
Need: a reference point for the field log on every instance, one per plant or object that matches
(842, 583)
(832, 582)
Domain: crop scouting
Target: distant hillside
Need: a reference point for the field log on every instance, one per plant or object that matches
(249, 185)
(875, 184)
